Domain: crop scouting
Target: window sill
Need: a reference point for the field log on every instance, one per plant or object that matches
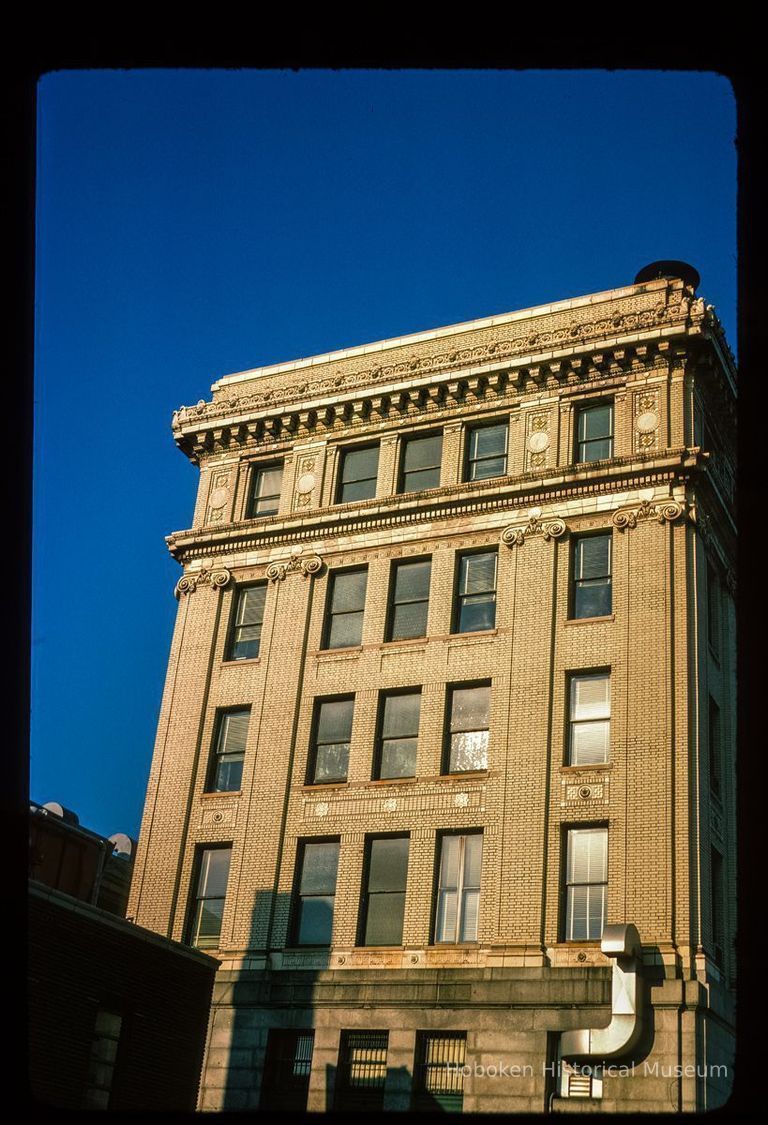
(459, 774)
(589, 620)
(332, 651)
(377, 781)
(238, 663)
(222, 793)
(567, 767)
(403, 641)
(474, 633)
(323, 786)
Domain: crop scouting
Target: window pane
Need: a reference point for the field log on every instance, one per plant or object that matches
(250, 605)
(409, 621)
(346, 630)
(591, 697)
(590, 743)
(595, 422)
(315, 921)
(384, 919)
(214, 872)
(360, 464)
(487, 441)
(593, 557)
(469, 751)
(477, 612)
(478, 573)
(587, 855)
(332, 762)
(423, 453)
(401, 715)
(412, 581)
(320, 863)
(349, 591)
(421, 479)
(334, 720)
(208, 927)
(229, 775)
(470, 708)
(469, 915)
(233, 731)
(388, 865)
(398, 758)
(473, 858)
(592, 598)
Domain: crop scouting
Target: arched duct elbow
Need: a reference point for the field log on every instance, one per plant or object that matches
(621, 942)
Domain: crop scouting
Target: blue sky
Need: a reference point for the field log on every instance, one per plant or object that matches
(195, 223)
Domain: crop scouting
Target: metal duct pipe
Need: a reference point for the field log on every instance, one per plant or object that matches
(622, 942)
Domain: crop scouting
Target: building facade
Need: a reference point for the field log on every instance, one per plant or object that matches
(444, 766)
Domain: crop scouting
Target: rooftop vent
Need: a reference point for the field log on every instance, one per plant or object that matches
(669, 269)
(66, 815)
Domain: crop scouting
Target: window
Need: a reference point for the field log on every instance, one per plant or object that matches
(438, 1071)
(245, 640)
(409, 600)
(715, 748)
(330, 747)
(713, 609)
(265, 490)
(398, 735)
(476, 596)
(287, 1068)
(227, 773)
(470, 712)
(594, 432)
(316, 893)
(458, 896)
(362, 1071)
(359, 470)
(383, 907)
(346, 602)
(586, 884)
(420, 465)
(103, 1058)
(208, 906)
(590, 720)
(486, 452)
(591, 584)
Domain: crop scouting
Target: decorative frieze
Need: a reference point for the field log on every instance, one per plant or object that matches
(218, 497)
(537, 439)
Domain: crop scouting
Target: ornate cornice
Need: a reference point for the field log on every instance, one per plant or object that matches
(520, 355)
(216, 577)
(298, 563)
(664, 511)
(516, 534)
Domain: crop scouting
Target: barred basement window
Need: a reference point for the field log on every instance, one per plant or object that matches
(245, 640)
(438, 1071)
(227, 772)
(586, 883)
(318, 863)
(594, 432)
(398, 735)
(346, 604)
(103, 1059)
(486, 452)
(409, 600)
(420, 464)
(362, 1070)
(266, 484)
(590, 719)
(470, 718)
(475, 608)
(329, 759)
(359, 471)
(591, 583)
(458, 895)
(287, 1068)
(383, 907)
(208, 904)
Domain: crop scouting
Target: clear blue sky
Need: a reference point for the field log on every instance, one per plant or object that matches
(194, 223)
